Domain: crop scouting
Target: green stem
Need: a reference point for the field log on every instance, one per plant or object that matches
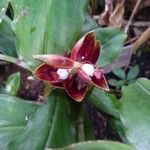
(16, 61)
(80, 124)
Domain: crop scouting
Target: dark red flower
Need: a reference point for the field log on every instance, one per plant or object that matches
(76, 73)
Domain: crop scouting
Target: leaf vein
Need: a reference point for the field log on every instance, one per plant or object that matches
(143, 88)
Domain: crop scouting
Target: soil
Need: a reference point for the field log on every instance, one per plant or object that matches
(101, 125)
(29, 89)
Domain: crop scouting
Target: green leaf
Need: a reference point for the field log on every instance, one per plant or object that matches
(45, 27)
(117, 83)
(12, 84)
(135, 114)
(120, 83)
(131, 81)
(133, 73)
(3, 3)
(112, 82)
(117, 126)
(112, 41)
(105, 102)
(14, 114)
(97, 145)
(119, 73)
(62, 132)
(88, 127)
(8, 40)
(49, 126)
(89, 23)
(3, 6)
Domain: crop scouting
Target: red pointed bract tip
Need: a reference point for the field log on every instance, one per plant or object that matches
(56, 61)
(86, 49)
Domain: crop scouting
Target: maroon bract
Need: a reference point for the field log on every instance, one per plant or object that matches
(76, 73)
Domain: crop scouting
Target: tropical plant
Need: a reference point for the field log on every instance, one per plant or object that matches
(48, 30)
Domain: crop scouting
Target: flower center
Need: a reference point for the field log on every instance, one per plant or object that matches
(63, 73)
(88, 69)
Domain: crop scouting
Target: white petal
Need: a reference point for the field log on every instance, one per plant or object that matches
(88, 69)
(63, 73)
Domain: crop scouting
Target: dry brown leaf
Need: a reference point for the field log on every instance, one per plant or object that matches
(115, 18)
(113, 14)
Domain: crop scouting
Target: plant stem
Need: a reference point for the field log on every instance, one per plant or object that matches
(132, 15)
(80, 124)
(143, 38)
(16, 61)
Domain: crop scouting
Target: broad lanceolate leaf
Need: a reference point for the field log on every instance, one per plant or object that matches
(14, 114)
(112, 41)
(97, 145)
(104, 102)
(49, 126)
(135, 112)
(49, 26)
(8, 40)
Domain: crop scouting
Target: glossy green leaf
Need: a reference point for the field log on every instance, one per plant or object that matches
(97, 145)
(119, 73)
(14, 114)
(8, 40)
(135, 114)
(49, 26)
(112, 41)
(12, 84)
(105, 102)
(49, 126)
(133, 73)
